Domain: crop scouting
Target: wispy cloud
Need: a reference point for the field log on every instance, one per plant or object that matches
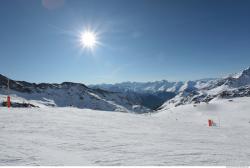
(115, 73)
(53, 4)
(136, 34)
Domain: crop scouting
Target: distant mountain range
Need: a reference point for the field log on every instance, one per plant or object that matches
(236, 85)
(152, 87)
(179, 93)
(128, 96)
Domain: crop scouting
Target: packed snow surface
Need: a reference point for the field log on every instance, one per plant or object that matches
(178, 136)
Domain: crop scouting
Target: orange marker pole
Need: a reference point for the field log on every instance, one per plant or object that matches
(8, 101)
(210, 123)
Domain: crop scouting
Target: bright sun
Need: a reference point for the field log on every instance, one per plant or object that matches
(88, 39)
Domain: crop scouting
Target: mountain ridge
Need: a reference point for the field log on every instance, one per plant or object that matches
(70, 94)
(131, 96)
(227, 87)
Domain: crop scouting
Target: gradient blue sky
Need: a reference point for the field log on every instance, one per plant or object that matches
(142, 40)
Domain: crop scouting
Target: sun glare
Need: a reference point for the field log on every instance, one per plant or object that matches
(88, 39)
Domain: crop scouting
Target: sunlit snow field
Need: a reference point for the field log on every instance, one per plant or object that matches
(179, 136)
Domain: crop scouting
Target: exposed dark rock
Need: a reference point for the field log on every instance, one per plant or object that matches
(15, 104)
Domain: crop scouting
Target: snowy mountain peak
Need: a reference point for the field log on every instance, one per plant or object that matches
(244, 73)
(239, 79)
(187, 86)
(68, 94)
(237, 85)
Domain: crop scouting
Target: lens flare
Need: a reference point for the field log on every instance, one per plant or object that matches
(88, 39)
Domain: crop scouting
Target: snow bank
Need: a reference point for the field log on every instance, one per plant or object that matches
(178, 136)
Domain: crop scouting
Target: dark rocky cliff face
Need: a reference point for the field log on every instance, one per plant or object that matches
(72, 94)
(26, 87)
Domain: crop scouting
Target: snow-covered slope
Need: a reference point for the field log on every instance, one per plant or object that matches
(237, 85)
(178, 136)
(69, 94)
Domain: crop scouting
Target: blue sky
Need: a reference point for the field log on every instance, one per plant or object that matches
(141, 40)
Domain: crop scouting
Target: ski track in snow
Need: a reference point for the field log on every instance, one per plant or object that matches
(179, 136)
